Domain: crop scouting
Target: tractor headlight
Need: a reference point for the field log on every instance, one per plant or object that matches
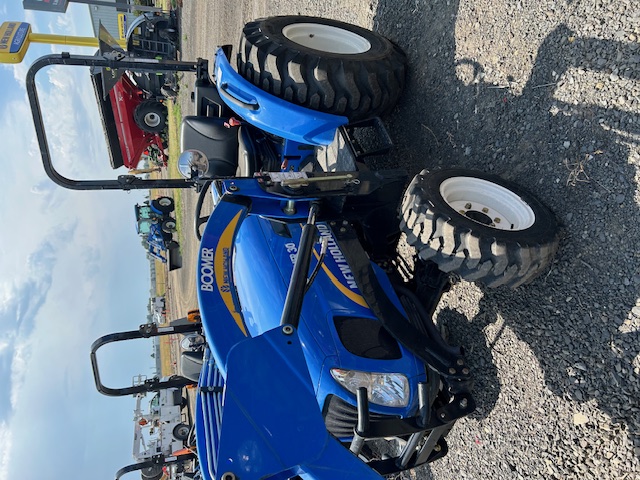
(387, 389)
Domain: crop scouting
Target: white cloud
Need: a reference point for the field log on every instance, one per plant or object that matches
(19, 365)
(88, 297)
(71, 269)
(5, 451)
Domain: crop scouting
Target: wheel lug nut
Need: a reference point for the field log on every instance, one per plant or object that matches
(496, 220)
(468, 206)
(485, 210)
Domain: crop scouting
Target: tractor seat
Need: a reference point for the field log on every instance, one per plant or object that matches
(248, 156)
(230, 150)
(218, 142)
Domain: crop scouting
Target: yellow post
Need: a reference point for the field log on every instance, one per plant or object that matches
(15, 38)
(63, 40)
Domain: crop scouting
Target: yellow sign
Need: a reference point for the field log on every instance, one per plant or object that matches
(122, 26)
(14, 41)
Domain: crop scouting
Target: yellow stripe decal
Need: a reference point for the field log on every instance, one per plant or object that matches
(222, 261)
(354, 297)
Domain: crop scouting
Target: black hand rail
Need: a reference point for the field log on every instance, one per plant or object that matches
(123, 182)
(147, 330)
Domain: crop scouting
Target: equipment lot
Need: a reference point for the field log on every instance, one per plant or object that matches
(547, 96)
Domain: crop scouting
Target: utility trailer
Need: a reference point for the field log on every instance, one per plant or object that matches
(299, 276)
(162, 430)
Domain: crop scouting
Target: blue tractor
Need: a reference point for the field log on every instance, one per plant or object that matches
(320, 336)
(156, 225)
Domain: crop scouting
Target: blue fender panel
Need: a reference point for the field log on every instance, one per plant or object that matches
(221, 314)
(270, 113)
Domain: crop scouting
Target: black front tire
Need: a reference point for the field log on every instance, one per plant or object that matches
(164, 204)
(169, 226)
(152, 473)
(363, 82)
(443, 216)
(151, 116)
(181, 431)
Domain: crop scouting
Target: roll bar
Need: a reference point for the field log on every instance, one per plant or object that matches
(146, 330)
(123, 182)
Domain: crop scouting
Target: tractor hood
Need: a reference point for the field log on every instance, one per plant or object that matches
(264, 256)
(246, 263)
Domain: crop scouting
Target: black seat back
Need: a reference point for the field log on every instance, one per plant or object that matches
(218, 142)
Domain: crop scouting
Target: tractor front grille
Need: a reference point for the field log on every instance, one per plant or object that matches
(341, 417)
(209, 414)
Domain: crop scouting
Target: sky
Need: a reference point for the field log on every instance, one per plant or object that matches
(71, 269)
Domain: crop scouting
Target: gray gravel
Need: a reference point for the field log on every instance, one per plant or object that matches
(546, 94)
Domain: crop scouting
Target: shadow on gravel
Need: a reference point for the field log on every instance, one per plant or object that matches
(579, 319)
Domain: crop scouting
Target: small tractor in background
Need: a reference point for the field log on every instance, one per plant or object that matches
(156, 225)
(164, 429)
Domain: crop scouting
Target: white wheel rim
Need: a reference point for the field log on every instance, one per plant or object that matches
(487, 203)
(152, 119)
(165, 202)
(326, 38)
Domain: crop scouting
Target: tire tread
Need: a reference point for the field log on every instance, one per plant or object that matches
(357, 89)
(472, 255)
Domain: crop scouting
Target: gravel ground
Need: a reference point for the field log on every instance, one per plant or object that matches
(546, 94)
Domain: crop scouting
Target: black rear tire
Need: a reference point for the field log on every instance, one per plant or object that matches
(479, 226)
(151, 116)
(364, 81)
